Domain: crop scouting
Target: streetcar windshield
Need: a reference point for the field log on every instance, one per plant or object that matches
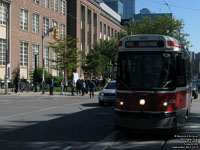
(145, 70)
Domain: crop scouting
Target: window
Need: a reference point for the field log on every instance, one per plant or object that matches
(46, 3)
(104, 28)
(35, 23)
(62, 31)
(101, 27)
(62, 7)
(54, 24)
(55, 5)
(35, 47)
(24, 19)
(54, 58)
(2, 51)
(3, 13)
(24, 54)
(36, 1)
(45, 24)
(108, 31)
(46, 56)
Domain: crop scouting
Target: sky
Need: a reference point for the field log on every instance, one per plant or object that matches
(187, 10)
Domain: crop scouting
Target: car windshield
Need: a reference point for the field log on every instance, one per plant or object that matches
(145, 70)
(110, 85)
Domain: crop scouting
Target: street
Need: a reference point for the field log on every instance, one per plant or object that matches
(32, 121)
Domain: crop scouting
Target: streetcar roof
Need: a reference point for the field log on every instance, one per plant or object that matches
(149, 42)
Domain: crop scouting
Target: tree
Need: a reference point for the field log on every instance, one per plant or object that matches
(67, 54)
(160, 25)
(103, 55)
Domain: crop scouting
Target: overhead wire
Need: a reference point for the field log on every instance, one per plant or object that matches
(176, 6)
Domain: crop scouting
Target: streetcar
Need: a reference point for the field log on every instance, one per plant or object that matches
(154, 83)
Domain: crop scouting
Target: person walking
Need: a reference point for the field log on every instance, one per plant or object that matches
(92, 86)
(83, 87)
(66, 84)
(78, 86)
(73, 85)
(51, 85)
(16, 82)
(61, 87)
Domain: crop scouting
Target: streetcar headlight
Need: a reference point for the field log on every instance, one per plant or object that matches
(121, 103)
(165, 104)
(142, 102)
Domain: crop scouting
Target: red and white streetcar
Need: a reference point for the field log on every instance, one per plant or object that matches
(154, 86)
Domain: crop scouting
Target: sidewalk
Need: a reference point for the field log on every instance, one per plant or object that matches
(40, 94)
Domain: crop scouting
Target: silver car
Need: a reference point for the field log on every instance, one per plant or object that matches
(107, 95)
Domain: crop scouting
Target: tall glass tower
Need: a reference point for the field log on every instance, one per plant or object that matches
(125, 8)
(129, 9)
(116, 5)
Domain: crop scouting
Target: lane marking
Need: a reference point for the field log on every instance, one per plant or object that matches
(106, 142)
(68, 148)
(44, 109)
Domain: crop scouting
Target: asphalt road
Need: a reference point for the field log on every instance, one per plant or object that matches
(59, 122)
(32, 121)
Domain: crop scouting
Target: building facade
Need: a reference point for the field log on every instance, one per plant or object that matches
(21, 38)
(129, 9)
(28, 20)
(90, 21)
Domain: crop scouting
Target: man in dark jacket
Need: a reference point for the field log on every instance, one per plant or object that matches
(51, 85)
(92, 86)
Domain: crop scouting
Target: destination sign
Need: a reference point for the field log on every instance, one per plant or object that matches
(144, 44)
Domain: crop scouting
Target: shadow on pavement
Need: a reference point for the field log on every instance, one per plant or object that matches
(79, 130)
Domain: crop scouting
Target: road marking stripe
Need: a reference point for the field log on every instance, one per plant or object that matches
(68, 148)
(44, 109)
(106, 142)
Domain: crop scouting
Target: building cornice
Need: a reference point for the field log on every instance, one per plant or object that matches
(95, 2)
(7, 1)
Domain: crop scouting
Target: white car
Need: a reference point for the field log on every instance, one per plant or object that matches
(107, 95)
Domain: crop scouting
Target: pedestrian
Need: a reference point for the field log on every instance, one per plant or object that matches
(83, 87)
(92, 86)
(16, 82)
(66, 84)
(51, 85)
(61, 87)
(78, 86)
(73, 85)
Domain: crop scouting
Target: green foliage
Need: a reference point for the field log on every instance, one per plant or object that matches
(67, 54)
(101, 56)
(37, 75)
(57, 80)
(160, 25)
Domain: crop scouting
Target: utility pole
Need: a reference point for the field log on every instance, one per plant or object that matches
(7, 48)
(43, 35)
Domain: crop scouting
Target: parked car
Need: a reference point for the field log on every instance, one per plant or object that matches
(107, 95)
(194, 89)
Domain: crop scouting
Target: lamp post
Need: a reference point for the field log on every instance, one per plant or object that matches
(43, 35)
(35, 53)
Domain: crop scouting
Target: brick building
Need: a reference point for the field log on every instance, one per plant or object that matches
(88, 20)
(28, 19)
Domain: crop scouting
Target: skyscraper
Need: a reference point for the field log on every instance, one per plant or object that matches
(116, 5)
(125, 8)
(129, 8)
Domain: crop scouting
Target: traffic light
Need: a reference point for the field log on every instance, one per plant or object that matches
(55, 34)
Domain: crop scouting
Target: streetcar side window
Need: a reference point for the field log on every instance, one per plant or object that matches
(180, 71)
